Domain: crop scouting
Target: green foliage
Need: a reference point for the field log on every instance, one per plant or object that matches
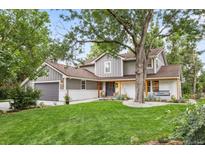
(67, 99)
(23, 97)
(4, 92)
(174, 99)
(94, 52)
(201, 83)
(183, 51)
(122, 97)
(24, 38)
(191, 125)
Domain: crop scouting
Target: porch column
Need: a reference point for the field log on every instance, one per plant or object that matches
(64, 83)
(146, 88)
(151, 90)
(98, 87)
(177, 89)
(120, 86)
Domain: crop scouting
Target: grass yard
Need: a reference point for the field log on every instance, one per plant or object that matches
(101, 122)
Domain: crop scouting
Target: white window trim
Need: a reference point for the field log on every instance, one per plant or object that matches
(151, 65)
(105, 67)
(81, 85)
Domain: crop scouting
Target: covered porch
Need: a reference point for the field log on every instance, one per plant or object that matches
(158, 88)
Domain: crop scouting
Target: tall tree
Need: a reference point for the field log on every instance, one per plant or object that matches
(24, 38)
(183, 51)
(115, 30)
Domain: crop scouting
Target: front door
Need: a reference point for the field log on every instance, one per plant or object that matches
(110, 88)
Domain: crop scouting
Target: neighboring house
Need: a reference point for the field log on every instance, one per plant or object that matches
(108, 76)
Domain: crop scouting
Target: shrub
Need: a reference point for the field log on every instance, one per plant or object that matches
(122, 97)
(190, 128)
(134, 140)
(173, 99)
(152, 98)
(4, 93)
(23, 97)
(67, 99)
(163, 139)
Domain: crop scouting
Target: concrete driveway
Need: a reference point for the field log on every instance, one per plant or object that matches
(4, 106)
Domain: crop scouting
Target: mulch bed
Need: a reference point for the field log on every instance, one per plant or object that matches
(172, 142)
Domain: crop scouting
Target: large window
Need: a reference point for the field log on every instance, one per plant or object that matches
(83, 84)
(155, 86)
(149, 63)
(107, 67)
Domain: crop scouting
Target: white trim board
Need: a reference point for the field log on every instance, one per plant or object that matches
(46, 81)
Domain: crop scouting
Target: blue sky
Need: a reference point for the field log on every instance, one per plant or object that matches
(58, 28)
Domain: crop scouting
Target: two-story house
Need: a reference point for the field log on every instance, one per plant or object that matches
(108, 76)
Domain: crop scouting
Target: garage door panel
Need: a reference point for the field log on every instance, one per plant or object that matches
(49, 91)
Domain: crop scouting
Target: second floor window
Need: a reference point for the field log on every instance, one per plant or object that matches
(107, 67)
(149, 64)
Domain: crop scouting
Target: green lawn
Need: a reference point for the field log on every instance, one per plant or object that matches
(102, 122)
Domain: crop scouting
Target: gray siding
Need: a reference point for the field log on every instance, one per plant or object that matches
(51, 75)
(76, 84)
(129, 68)
(115, 66)
(73, 84)
(89, 68)
(160, 62)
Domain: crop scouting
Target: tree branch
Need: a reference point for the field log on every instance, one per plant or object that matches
(105, 41)
(120, 21)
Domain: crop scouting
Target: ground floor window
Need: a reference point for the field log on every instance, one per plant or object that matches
(155, 86)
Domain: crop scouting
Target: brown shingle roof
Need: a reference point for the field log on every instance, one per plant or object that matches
(72, 71)
(169, 71)
(153, 53)
(127, 56)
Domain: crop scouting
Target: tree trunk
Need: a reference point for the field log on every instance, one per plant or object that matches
(140, 55)
(140, 68)
(195, 75)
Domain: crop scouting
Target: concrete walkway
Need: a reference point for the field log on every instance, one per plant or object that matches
(4, 106)
(131, 103)
(84, 101)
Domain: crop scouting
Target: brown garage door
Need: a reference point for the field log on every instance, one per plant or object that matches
(49, 91)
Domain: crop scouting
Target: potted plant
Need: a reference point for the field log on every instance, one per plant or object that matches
(67, 99)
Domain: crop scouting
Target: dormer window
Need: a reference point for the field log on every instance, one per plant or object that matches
(149, 64)
(107, 67)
